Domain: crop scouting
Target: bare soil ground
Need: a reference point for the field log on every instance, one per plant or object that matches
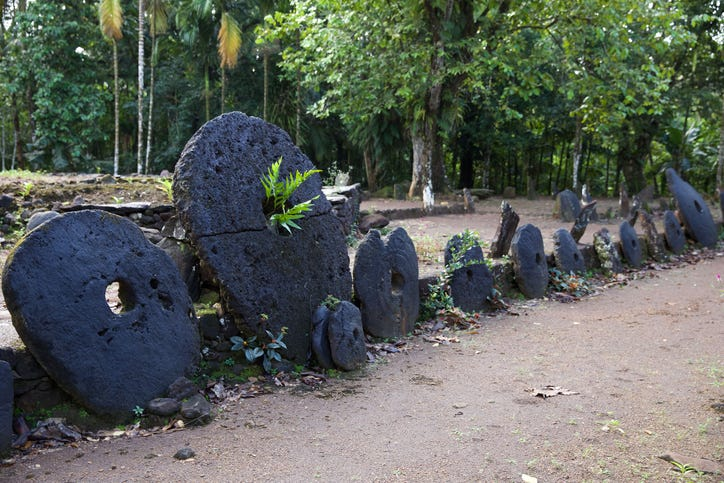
(645, 360)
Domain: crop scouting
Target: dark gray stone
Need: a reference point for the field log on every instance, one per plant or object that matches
(607, 252)
(163, 406)
(386, 283)
(509, 220)
(404, 275)
(673, 233)
(184, 454)
(219, 197)
(346, 337)
(471, 282)
(721, 203)
(654, 241)
(182, 388)
(567, 256)
(693, 210)
(529, 261)
(55, 285)
(568, 206)
(196, 410)
(630, 246)
(39, 218)
(372, 221)
(320, 337)
(6, 408)
(186, 262)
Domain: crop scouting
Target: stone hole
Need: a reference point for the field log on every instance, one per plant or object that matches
(633, 243)
(698, 206)
(120, 297)
(397, 282)
(538, 259)
(469, 273)
(575, 256)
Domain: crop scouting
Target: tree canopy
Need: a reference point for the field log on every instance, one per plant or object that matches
(433, 95)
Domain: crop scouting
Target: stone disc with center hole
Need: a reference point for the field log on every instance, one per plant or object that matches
(111, 356)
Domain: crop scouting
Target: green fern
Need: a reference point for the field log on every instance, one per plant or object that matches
(278, 191)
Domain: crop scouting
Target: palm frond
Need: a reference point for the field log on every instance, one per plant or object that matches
(229, 41)
(157, 17)
(110, 15)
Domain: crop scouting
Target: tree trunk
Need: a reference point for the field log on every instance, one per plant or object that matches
(18, 157)
(150, 103)
(720, 158)
(577, 151)
(223, 89)
(139, 167)
(207, 92)
(265, 113)
(370, 170)
(116, 110)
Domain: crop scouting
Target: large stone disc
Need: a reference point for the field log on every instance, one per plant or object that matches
(55, 284)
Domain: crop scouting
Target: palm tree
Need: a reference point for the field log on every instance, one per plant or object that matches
(140, 86)
(229, 45)
(157, 25)
(197, 21)
(111, 19)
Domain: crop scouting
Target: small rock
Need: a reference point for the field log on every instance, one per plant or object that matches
(182, 388)
(184, 454)
(163, 406)
(39, 218)
(374, 220)
(196, 409)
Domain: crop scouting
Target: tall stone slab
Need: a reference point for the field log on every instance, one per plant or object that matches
(568, 206)
(6, 408)
(110, 358)
(693, 210)
(673, 234)
(386, 283)
(630, 246)
(529, 261)
(471, 281)
(567, 256)
(267, 280)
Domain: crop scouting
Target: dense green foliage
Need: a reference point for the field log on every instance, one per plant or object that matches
(539, 95)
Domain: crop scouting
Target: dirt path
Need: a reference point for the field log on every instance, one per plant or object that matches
(647, 361)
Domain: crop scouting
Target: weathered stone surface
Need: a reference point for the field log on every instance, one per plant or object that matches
(581, 222)
(196, 410)
(55, 284)
(6, 408)
(346, 336)
(386, 283)
(567, 256)
(471, 283)
(186, 262)
(630, 246)
(693, 210)
(654, 241)
(163, 406)
(567, 205)
(40, 218)
(372, 221)
(529, 261)
(673, 233)
(219, 197)
(509, 220)
(320, 337)
(182, 388)
(624, 204)
(606, 251)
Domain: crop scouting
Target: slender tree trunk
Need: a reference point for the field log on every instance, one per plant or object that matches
(370, 170)
(265, 114)
(3, 142)
(116, 110)
(223, 89)
(151, 88)
(139, 158)
(720, 157)
(207, 92)
(18, 157)
(577, 151)
(298, 129)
